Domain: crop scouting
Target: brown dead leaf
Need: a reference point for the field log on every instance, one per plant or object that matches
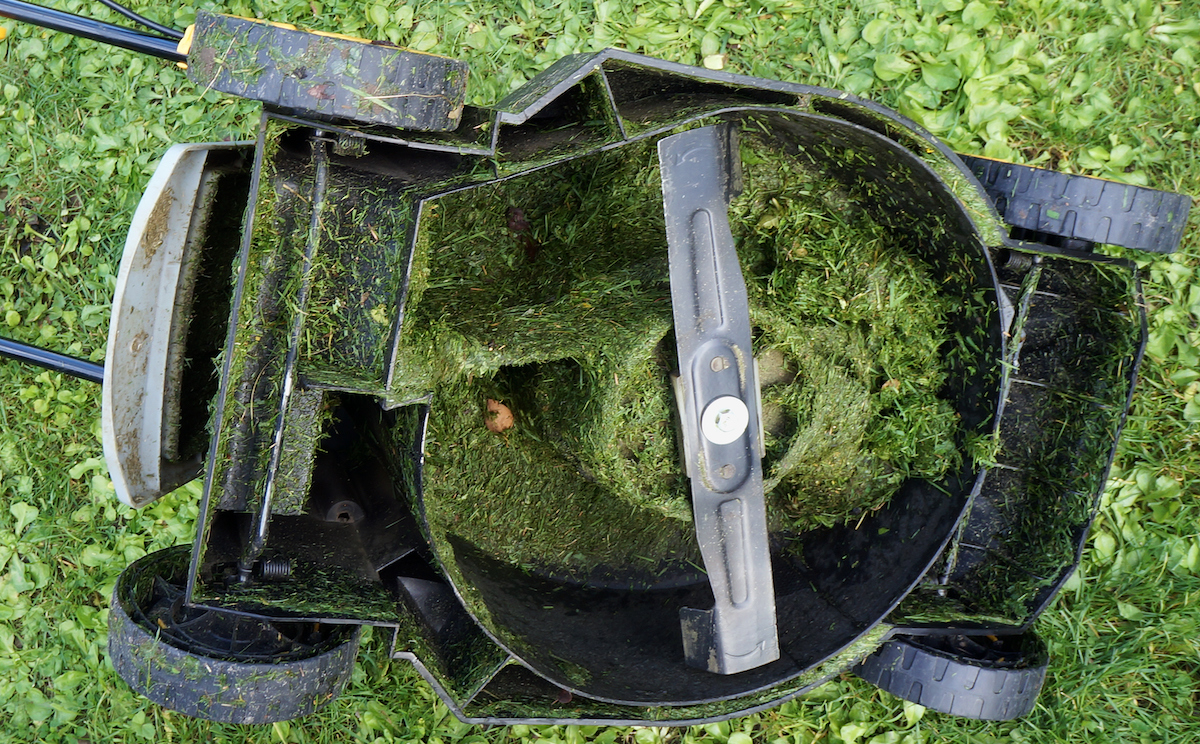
(321, 92)
(498, 417)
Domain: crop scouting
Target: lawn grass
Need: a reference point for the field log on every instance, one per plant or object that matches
(1108, 88)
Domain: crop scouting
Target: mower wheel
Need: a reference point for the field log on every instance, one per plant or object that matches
(215, 665)
(1071, 211)
(990, 678)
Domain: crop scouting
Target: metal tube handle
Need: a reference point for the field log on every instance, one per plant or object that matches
(117, 36)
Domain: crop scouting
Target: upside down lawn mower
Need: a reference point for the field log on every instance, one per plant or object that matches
(648, 394)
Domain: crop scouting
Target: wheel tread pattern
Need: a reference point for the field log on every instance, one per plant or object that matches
(951, 685)
(1083, 207)
(215, 689)
(325, 76)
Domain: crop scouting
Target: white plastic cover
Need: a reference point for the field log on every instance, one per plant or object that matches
(135, 364)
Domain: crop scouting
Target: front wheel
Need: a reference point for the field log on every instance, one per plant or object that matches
(1073, 211)
(990, 678)
(215, 665)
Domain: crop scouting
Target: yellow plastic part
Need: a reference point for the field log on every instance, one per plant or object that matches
(293, 27)
(185, 44)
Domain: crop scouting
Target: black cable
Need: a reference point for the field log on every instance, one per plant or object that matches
(143, 20)
(118, 36)
(51, 360)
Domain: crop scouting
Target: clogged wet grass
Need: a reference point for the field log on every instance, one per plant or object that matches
(549, 295)
(853, 328)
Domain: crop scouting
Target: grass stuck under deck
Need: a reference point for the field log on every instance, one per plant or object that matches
(546, 296)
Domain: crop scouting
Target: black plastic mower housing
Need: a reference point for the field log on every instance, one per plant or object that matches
(326, 444)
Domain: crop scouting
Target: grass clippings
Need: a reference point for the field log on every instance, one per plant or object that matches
(574, 342)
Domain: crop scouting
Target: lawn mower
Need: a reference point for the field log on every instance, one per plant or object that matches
(649, 394)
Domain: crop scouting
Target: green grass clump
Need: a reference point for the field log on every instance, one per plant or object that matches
(351, 309)
(565, 319)
(852, 328)
(561, 323)
(573, 335)
(516, 497)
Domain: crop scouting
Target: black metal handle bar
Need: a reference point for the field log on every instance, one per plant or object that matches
(118, 36)
(51, 360)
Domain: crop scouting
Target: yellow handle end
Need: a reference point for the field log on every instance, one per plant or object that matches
(185, 44)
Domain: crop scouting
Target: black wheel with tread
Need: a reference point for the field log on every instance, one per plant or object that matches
(310, 74)
(1080, 210)
(220, 666)
(991, 678)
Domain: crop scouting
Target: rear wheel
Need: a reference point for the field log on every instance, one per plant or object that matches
(215, 665)
(312, 74)
(991, 678)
